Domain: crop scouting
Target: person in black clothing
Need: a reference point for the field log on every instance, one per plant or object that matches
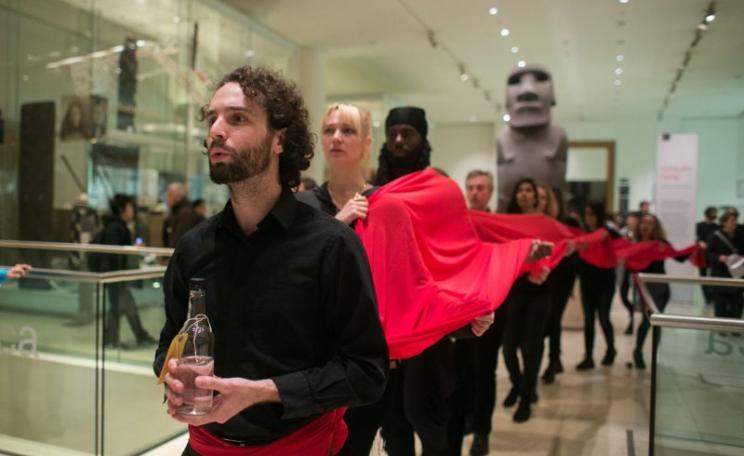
(120, 299)
(727, 301)
(650, 229)
(597, 289)
(182, 216)
(289, 290)
(561, 283)
(200, 209)
(703, 230)
(629, 232)
(527, 317)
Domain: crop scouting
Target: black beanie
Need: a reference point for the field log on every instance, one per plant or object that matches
(408, 115)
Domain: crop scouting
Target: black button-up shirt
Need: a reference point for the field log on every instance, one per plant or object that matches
(293, 302)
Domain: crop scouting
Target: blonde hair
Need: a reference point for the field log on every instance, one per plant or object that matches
(551, 207)
(355, 116)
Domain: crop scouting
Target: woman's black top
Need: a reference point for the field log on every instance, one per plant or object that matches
(718, 247)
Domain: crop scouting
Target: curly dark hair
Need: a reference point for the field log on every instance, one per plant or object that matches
(285, 110)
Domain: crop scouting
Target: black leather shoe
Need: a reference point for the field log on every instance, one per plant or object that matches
(548, 376)
(609, 357)
(523, 412)
(587, 364)
(638, 360)
(480, 445)
(512, 397)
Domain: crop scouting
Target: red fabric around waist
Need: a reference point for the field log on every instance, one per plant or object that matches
(321, 437)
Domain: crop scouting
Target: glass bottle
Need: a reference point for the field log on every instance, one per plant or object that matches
(197, 357)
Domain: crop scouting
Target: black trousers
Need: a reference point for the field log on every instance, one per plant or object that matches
(121, 301)
(624, 289)
(708, 292)
(529, 311)
(660, 293)
(597, 289)
(728, 303)
(415, 400)
(475, 393)
(561, 282)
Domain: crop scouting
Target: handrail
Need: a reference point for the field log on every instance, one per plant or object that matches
(154, 272)
(713, 281)
(685, 321)
(702, 323)
(77, 247)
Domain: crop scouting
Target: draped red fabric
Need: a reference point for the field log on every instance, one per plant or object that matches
(432, 273)
(321, 437)
(600, 250)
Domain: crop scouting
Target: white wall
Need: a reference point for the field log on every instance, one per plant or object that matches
(461, 148)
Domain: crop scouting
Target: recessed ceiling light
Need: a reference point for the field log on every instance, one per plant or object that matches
(464, 77)
(493, 11)
(623, 2)
(710, 15)
(618, 71)
(618, 82)
(702, 26)
(620, 57)
(514, 49)
(506, 117)
(505, 32)
(521, 64)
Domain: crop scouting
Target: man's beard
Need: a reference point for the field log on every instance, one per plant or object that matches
(247, 162)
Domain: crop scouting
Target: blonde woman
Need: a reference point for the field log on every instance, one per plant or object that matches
(346, 140)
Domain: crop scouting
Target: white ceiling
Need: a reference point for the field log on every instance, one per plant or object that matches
(379, 47)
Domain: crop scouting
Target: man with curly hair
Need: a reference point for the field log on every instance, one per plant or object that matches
(289, 291)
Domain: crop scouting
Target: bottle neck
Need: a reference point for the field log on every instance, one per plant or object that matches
(197, 303)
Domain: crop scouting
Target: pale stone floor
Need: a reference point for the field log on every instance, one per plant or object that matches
(601, 412)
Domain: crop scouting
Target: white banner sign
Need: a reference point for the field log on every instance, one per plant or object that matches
(676, 191)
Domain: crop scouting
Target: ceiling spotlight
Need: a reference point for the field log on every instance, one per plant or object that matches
(506, 117)
(710, 15)
(493, 11)
(620, 57)
(521, 64)
(702, 26)
(618, 82)
(618, 71)
(504, 32)
(514, 49)
(463, 73)
(623, 2)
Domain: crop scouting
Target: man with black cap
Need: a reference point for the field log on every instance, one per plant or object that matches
(418, 388)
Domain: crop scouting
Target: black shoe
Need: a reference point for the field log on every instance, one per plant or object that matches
(548, 376)
(629, 329)
(609, 357)
(533, 396)
(523, 412)
(587, 364)
(638, 361)
(479, 447)
(512, 397)
(558, 369)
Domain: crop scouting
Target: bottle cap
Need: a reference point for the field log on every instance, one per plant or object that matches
(197, 283)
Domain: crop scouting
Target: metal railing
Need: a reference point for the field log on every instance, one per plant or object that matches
(660, 320)
(77, 247)
(153, 272)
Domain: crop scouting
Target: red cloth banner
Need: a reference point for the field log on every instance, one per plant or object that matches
(432, 273)
(321, 437)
